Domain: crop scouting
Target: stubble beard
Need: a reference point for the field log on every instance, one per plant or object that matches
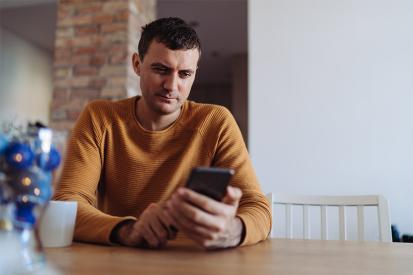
(160, 109)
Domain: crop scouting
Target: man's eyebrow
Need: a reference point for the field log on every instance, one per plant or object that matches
(187, 71)
(157, 64)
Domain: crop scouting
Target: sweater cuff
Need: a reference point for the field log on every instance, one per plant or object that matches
(254, 230)
(122, 221)
(99, 230)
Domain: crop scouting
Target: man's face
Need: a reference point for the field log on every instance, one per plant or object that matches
(166, 77)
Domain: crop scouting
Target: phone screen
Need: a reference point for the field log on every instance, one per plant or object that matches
(210, 181)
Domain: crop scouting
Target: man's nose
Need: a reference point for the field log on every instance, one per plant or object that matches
(171, 83)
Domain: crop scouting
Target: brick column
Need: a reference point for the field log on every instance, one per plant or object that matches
(93, 48)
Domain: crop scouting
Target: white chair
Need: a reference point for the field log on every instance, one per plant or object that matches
(342, 202)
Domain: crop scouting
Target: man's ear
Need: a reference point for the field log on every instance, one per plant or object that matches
(136, 63)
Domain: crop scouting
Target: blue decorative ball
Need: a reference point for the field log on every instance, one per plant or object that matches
(34, 185)
(19, 155)
(4, 142)
(24, 213)
(49, 161)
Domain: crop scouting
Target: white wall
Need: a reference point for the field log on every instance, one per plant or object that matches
(25, 80)
(331, 98)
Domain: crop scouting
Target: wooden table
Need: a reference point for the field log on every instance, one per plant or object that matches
(275, 256)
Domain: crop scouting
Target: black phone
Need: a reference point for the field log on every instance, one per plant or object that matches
(210, 181)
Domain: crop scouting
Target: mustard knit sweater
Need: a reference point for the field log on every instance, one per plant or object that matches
(115, 168)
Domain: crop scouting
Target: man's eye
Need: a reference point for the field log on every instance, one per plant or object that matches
(161, 70)
(185, 74)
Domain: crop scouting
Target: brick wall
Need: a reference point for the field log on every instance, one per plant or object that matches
(93, 48)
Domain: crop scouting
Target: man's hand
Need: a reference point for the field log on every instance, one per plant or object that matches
(151, 230)
(209, 223)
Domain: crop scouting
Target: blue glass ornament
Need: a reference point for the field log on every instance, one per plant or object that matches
(34, 185)
(26, 162)
(19, 155)
(49, 161)
(4, 142)
(24, 214)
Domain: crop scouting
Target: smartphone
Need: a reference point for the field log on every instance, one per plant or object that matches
(210, 181)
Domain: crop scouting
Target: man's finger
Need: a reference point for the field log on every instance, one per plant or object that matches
(233, 196)
(150, 237)
(168, 223)
(201, 201)
(198, 216)
(189, 227)
(158, 229)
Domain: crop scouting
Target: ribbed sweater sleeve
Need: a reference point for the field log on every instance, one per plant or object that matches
(254, 209)
(81, 175)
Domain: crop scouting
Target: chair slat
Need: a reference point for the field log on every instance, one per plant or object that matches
(324, 226)
(306, 223)
(384, 224)
(288, 223)
(342, 223)
(360, 222)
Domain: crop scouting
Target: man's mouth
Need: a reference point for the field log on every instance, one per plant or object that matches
(166, 96)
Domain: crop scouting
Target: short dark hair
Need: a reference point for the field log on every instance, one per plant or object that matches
(173, 32)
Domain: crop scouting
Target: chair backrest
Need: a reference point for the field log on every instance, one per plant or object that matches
(342, 202)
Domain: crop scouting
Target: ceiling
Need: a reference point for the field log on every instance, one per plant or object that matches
(221, 25)
(32, 20)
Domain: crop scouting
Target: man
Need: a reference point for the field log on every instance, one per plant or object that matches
(127, 161)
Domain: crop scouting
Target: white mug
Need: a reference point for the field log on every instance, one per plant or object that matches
(58, 223)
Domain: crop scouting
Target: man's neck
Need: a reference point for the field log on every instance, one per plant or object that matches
(152, 121)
